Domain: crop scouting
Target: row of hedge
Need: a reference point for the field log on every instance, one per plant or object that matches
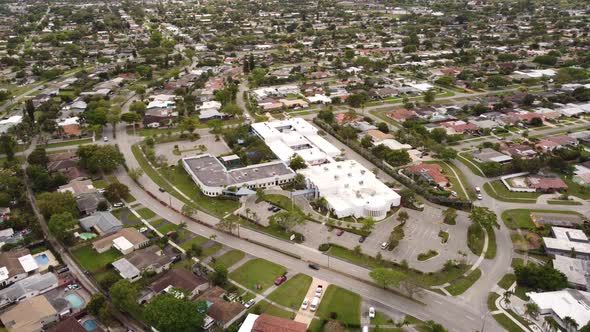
(423, 191)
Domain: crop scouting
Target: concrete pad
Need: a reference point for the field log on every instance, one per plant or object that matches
(306, 316)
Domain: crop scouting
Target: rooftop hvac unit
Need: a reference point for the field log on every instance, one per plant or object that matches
(335, 177)
(339, 166)
(361, 182)
(349, 175)
(326, 169)
(363, 171)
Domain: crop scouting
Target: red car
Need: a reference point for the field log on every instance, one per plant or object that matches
(280, 280)
(339, 232)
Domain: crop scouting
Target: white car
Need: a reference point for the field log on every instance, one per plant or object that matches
(318, 291)
(249, 303)
(118, 204)
(479, 196)
(305, 304)
(384, 245)
(105, 139)
(371, 312)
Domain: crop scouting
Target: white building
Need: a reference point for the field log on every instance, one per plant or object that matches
(564, 303)
(351, 190)
(567, 239)
(213, 178)
(295, 136)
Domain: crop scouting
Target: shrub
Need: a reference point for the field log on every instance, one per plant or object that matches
(324, 247)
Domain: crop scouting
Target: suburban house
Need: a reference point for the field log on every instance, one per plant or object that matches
(432, 173)
(546, 184)
(402, 115)
(177, 278)
(522, 151)
(150, 259)
(70, 324)
(378, 136)
(268, 323)
(576, 270)
(30, 315)
(65, 163)
(563, 303)
(566, 240)
(15, 265)
(103, 223)
(87, 197)
(223, 312)
(156, 117)
(490, 155)
(125, 240)
(32, 286)
(556, 142)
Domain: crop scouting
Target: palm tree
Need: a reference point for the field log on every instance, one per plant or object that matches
(532, 310)
(570, 323)
(506, 297)
(551, 323)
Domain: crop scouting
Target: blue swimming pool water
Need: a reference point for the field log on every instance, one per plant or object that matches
(42, 260)
(90, 325)
(75, 300)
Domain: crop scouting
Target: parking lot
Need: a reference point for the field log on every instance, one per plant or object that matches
(257, 211)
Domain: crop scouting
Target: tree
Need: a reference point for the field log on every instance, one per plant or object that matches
(383, 127)
(484, 217)
(227, 224)
(135, 173)
(97, 302)
(114, 117)
(506, 297)
(62, 226)
(537, 277)
(116, 191)
(385, 277)
(57, 202)
(496, 81)
(95, 158)
(546, 60)
(131, 118)
(327, 116)
(169, 313)
(38, 157)
(39, 178)
(410, 288)
(287, 219)
(357, 99)
(297, 162)
(215, 125)
(358, 250)
(7, 146)
(445, 80)
(137, 107)
(30, 110)
(124, 295)
(532, 310)
(403, 216)
(433, 326)
(570, 323)
(429, 96)
(232, 109)
(348, 133)
(188, 210)
(366, 142)
(219, 275)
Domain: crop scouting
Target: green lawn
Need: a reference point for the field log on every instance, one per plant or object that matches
(507, 323)
(146, 213)
(181, 180)
(492, 297)
(381, 319)
(199, 240)
(575, 189)
(212, 250)
(475, 238)
(501, 193)
(291, 293)
(344, 303)
(507, 281)
(257, 272)
(230, 258)
(492, 247)
(267, 308)
(521, 218)
(69, 143)
(460, 286)
(93, 261)
(469, 162)
(100, 184)
(169, 227)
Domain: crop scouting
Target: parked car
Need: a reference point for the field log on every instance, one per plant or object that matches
(305, 304)
(384, 245)
(362, 239)
(119, 204)
(280, 280)
(105, 139)
(318, 291)
(371, 312)
(143, 229)
(162, 190)
(339, 232)
(249, 303)
(314, 303)
(270, 208)
(479, 196)
(276, 209)
(313, 266)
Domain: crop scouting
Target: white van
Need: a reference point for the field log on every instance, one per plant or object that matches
(314, 304)
(365, 328)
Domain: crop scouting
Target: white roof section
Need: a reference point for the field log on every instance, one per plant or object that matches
(575, 269)
(15, 119)
(350, 188)
(571, 234)
(564, 303)
(122, 244)
(69, 121)
(394, 145)
(567, 238)
(421, 86)
(3, 273)
(287, 137)
(248, 323)
(28, 262)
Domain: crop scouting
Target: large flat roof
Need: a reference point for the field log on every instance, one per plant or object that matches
(211, 172)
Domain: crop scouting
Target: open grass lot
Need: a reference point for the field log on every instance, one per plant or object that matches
(507, 281)
(100, 184)
(267, 308)
(381, 319)
(257, 272)
(521, 218)
(461, 285)
(575, 189)
(69, 143)
(93, 261)
(212, 250)
(181, 180)
(507, 323)
(292, 292)
(146, 213)
(498, 190)
(168, 228)
(346, 305)
(230, 258)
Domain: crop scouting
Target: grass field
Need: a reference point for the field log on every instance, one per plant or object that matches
(267, 308)
(507, 281)
(497, 190)
(492, 297)
(199, 240)
(460, 286)
(93, 261)
(69, 143)
(292, 292)
(230, 258)
(346, 305)
(521, 218)
(146, 213)
(563, 202)
(507, 323)
(257, 272)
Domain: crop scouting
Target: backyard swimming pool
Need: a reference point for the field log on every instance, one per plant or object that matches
(75, 300)
(90, 325)
(87, 236)
(42, 260)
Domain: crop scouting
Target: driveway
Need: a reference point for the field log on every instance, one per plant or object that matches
(306, 316)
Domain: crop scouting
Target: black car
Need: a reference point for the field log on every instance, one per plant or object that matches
(362, 239)
(162, 190)
(314, 266)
